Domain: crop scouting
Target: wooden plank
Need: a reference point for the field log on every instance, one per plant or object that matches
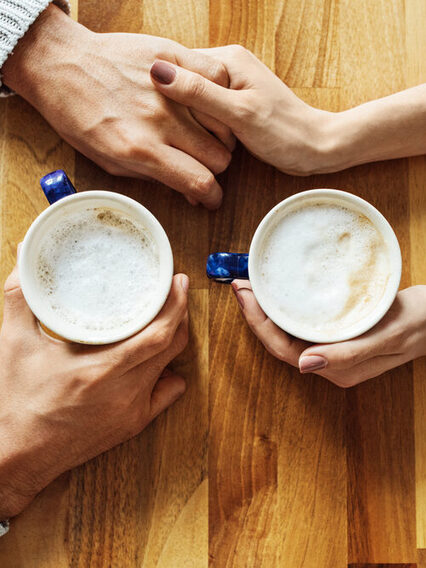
(421, 558)
(381, 505)
(30, 149)
(157, 482)
(416, 73)
(277, 464)
(146, 499)
(383, 566)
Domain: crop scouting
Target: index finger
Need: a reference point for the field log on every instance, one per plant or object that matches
(192, 90)
(202, 63)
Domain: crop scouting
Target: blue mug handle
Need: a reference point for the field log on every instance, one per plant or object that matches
(224, 267)
(56, 185)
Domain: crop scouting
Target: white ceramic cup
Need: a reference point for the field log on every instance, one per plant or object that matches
(225, 267)
(72, 204)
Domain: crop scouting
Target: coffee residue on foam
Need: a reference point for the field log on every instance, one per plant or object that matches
(98, 269)
(324, 269)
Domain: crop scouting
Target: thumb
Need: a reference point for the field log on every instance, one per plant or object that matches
(167, 390)
(339, 356)
(193, 90)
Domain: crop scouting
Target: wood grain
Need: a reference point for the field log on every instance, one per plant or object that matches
(416, 73)
(256, 466)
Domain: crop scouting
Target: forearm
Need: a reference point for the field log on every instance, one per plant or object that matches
(383, 129)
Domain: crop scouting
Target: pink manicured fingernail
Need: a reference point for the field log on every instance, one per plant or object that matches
(311, 363)
(163, 72)
(184, 282)
(238, 296)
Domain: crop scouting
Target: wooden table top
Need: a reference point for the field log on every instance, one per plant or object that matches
(256, 466)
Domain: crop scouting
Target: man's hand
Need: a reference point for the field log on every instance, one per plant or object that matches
(96, 92)
(399, 337)
(64, 403)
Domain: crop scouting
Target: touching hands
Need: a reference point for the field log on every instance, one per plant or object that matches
(263, 113)
(399, 337)
(64, 403)
(96, 92)
(282, 130)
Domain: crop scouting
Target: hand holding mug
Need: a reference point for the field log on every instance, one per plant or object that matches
(324, 267)
(65, 403)
(398, 338)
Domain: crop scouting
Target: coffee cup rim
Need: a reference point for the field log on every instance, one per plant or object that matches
(392, 286)
(27, 278)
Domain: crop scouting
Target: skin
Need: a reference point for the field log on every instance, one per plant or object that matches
(282, 130)
(86, 399)
(279, 128)
(399, 337)
(95, 91)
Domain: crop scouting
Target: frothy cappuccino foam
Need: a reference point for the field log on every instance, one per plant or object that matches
(97, 269)
(324, 267)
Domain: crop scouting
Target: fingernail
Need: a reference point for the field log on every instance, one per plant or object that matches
(184, 282)
(163, 72)
(311, 363)
(239, 297)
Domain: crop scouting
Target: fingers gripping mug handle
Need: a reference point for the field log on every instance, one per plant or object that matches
(226, 266)
(56, 185)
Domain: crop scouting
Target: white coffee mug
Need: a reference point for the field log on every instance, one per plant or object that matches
(65, 201)
(225, 267)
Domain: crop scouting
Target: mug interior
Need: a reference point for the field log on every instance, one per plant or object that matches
(353, 203)
(59, 211)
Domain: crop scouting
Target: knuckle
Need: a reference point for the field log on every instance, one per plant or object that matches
(219, 73)
(239, 50)
(181, 339)
(398, 336)
(339, 381)
(203, 184)
(195, 86)
(137, 422)
(132, 148)
(246, 108)
(348, 357)
(162, 338)
(224, 159)
(111, 169)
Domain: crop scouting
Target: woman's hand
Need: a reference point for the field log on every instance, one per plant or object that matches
(268, 118)
(279, 128)
(96, 92)
(399, 337)
(64, 403)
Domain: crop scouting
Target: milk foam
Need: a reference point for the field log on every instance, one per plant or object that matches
(98, 269)
(323, 268)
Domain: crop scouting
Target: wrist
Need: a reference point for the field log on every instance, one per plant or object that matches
(336, 146)
(24, 465)
(50, 41)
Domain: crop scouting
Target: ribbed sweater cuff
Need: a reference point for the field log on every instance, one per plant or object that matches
(16, 16)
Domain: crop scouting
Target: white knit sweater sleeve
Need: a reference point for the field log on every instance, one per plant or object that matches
(16, 16)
